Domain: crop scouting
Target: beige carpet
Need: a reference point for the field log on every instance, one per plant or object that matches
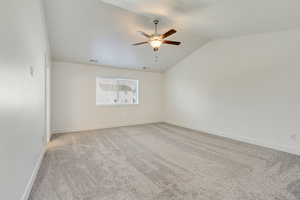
(163, 162)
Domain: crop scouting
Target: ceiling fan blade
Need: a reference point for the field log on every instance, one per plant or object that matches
(171, 42)
(139, 43)
(144, 34)
(167, 34)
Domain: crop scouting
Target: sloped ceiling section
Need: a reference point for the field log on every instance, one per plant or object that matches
(104, 30)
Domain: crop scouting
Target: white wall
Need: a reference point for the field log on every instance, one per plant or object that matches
(245, 88)
(23, 43)
(74, 98)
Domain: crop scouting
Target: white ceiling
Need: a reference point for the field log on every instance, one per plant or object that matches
(104, 30)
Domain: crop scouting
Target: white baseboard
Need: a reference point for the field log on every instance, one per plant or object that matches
(33, 176)
(284, 148)
(72, 130)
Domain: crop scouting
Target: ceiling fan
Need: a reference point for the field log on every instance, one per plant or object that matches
(155, 40)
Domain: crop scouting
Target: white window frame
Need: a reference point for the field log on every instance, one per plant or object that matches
(120, 104)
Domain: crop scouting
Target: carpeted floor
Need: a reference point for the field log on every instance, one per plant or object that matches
(163, 162)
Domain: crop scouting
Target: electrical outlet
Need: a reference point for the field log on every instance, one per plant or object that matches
(293, 137)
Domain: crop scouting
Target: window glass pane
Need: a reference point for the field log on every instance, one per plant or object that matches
(110, 91)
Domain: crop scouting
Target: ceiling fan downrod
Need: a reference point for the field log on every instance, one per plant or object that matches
(156, 21)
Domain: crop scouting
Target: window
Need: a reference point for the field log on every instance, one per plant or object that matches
(116, 91)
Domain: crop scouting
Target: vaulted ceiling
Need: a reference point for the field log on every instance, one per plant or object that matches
(103, 30)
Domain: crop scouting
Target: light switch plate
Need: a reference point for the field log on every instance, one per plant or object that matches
(31, 71)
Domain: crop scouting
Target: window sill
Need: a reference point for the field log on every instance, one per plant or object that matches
(116, 105)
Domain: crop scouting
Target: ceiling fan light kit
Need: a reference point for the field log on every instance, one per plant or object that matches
(156, 40)
(155, 43)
